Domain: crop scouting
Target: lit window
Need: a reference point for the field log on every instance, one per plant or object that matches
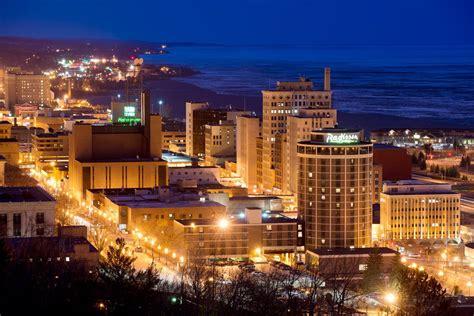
(338, 190)
(310, 174)
(67, 259)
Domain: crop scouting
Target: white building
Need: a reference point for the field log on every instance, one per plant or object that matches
(26, 212)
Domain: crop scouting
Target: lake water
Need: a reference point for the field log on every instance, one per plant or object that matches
(408, 81)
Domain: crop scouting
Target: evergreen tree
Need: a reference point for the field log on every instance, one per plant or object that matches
(373, 272)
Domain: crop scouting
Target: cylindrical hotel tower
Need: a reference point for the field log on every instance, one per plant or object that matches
(334, 188)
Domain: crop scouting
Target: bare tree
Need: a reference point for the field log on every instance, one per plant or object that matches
(98, 235)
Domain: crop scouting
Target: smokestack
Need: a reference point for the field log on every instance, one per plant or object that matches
(327, 79)
(145, 109)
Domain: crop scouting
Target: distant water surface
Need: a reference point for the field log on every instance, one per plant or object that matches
(408, 81)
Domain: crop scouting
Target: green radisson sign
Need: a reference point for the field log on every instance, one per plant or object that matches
(342, 138)
(128, 120)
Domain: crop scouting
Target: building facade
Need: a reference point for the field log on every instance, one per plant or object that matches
(50, 147)
(334, 188)
(415, 210)
(286, 100)
(299, 128)
(117, 156)
(252, 235)
(23, 87)
(26, 212)
(200, 114)
(248, 129)
(220, 142)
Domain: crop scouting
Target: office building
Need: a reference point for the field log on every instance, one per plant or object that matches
(334, 188)
(5, 129)
(248, 129)
(25, 87)
(147, 209)
(299, 128)
(117, 156)
(251, 235)
(26, 212)
(10, 150)
(219, 142)
(286, 100)
(174, 136)
(415, 210)
(50, 147)
(198, 115)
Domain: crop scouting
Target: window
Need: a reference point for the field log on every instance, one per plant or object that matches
(17, 224)
(269, 227)
(3, 224)
(146, 217)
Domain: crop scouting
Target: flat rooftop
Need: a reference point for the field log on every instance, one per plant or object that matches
(168, 205)
(270, 219)
(351, 251)
(118, 160)
(24, 194)
(52, 245)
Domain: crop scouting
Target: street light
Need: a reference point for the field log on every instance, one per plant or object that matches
(441, 273)
(390, 298)
(223, 223)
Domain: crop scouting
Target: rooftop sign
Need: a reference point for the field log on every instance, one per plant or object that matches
(341, 138)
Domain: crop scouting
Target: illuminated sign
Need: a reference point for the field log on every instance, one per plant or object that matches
(343, 138)
(129, 111)
(128, 120)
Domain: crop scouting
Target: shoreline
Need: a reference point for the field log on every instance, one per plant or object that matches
(175, 93)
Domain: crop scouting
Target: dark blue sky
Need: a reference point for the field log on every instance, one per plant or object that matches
(246, 21)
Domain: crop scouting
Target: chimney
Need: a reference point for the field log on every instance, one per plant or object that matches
(327, 79)
(145, 109)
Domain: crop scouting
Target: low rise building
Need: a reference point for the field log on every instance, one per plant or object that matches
(254, 234)
(9, 149)
(194, 175)
(70, 246)
(26, 212)
(348, 263)
(415, 210)
(5, 129)
(50, 147)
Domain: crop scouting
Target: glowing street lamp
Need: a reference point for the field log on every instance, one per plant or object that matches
(390, 298)
(223, 223)
(441, 273)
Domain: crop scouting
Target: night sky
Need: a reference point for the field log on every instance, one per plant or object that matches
(245, 21)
